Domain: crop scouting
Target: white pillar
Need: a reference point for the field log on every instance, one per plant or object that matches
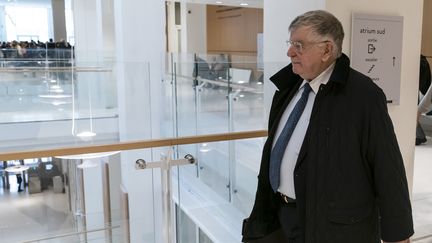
(140, 47)
(93, 199)
(59, 20)
(88, 30)
(194, 16)
(3, 36)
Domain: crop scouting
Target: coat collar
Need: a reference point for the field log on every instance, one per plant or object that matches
(287, 79)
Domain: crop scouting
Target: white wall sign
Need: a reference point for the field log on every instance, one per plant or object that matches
(376, 50)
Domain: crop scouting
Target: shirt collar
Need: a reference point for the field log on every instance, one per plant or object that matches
(323, 78)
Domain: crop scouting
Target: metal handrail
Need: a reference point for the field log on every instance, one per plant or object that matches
(222, 82)
(139, 144)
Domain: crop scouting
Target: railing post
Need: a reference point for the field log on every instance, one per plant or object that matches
(167, 209)
(232, 97)
(166, 198)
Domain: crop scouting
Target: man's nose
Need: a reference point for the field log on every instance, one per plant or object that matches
(291, 52)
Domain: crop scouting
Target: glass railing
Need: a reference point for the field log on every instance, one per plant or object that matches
(215, 95)
(59, 103)
(104, 198)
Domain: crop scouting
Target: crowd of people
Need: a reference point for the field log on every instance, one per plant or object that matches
(35, 49)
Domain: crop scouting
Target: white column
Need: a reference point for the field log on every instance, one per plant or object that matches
(88, 44)
(88, 30)
(108, 34)
(140, 47)
(194, 16)
(3, 36)
(59, 20)
(93, 199)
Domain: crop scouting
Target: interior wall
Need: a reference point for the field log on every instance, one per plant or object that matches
(59, 20)
(278, 14)
(404, 114)
(107, 7)
(172, 28)
(195, 28)
(139, 73)
(233, 29)
(426, 47)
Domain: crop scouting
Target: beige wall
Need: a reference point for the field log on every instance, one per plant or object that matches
(403, 115)
(233, 29)
(427, 30)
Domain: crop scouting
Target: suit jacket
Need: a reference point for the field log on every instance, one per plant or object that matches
(349, 178)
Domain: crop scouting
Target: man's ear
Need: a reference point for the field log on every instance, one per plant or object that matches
(327, 51)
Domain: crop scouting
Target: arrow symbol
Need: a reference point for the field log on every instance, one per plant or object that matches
(394, 58)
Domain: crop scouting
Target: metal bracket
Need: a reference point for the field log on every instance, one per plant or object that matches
(167, 208)
(141, 164)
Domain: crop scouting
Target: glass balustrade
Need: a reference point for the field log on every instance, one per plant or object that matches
(105, 198)
(87, 198)
(58, 103)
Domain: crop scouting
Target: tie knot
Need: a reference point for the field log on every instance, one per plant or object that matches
(306, 88)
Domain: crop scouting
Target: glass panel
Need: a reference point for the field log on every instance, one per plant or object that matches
(55, 102)
(77, 200)
(207, 199)
(246, 113)
(186, 228)
(203, 238)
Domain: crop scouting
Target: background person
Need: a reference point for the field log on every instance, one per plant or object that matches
(19, 181)
(425, 104)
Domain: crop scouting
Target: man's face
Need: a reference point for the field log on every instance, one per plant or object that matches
(309, 55)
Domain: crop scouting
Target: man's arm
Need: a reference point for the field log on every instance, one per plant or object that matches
(389, 179)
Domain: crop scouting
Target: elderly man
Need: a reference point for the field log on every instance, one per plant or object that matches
(331, 169)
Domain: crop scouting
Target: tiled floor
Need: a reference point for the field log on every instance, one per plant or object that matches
(25, 216)
(422, 193)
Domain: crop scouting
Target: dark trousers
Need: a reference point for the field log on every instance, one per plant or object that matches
(290, 232)
(289, 221)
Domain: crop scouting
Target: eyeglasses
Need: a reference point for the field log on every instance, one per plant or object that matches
(299, 47)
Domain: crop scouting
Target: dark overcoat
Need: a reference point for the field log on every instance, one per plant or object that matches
(350, 180)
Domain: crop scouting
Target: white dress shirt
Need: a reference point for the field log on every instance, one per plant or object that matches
(289, 159)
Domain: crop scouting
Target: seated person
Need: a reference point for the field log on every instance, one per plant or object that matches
(219, 67)
(201, 69)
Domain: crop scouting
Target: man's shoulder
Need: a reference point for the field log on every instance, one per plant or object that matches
(361, 82)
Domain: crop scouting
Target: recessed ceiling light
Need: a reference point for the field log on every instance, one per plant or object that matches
(244, 4)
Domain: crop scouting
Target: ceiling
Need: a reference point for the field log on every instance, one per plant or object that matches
(26, 2)
(239, 3)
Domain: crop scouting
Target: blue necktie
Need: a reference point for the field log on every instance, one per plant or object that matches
(280, 146)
